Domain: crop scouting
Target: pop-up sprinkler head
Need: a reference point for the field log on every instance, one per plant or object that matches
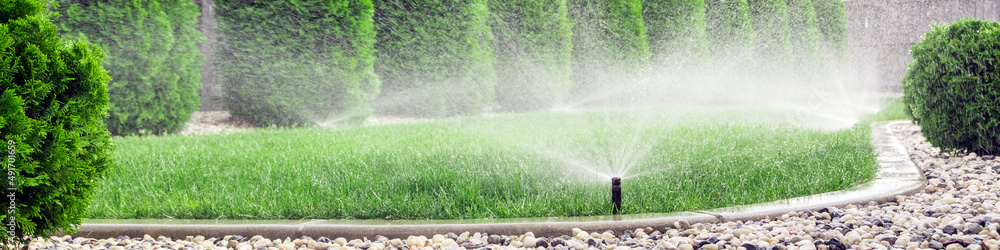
(616, 195)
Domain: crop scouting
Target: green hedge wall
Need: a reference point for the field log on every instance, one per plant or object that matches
(52, 108)
(773, 51)
(730, 31)
(298, 62)
(677, 37)
(952, 86)
(610, 50)
(153, 57)
(805, 41)
(435, 57)
(533, 47)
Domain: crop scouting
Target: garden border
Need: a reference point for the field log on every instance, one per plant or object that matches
(897, 176)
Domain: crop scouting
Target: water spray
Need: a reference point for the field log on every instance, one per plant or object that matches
(616, 195)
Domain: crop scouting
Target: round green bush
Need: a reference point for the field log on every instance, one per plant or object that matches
(153, 57)
(56, 146)
(952, 86)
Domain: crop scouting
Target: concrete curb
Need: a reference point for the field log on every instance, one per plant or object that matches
(898, 176)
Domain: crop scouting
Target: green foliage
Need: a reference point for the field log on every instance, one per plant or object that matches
(51, 110)
(805, 40)
(773, 50)
(297, 62)
(952, 86)
(831, 17)
(435, 57)
(730, 31)
(153, 58)
(532, 42)
(610, 49)
(677, 36)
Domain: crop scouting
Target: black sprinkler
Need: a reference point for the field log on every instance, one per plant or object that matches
(616, 195)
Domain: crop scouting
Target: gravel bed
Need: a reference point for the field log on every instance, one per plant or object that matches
(957, 210)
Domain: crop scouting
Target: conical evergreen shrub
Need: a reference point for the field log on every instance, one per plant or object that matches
(730, 31)
(831, 18)
(677, 37)
(153, 58)
(532, 43)
(54, 101)
(773, 51)
(610, 50)
(805, 43)
(435, 57)
(301, 62)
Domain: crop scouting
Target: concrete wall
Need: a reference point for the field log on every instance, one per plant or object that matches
(881, 32)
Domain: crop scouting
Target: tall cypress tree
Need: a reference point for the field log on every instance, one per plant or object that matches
(533, 47)
(773, 51)
(435, 57)
(153, 58)
(831, 17)
(297, 62)
(730, 31)
(805, 41)
(677, 37)
(610, 50)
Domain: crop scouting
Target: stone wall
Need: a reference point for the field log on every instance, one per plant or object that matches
(881, 32)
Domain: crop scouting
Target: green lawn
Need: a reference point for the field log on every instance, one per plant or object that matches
(526, 165)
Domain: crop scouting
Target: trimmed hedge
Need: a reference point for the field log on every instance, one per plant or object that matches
(52, 108)
(773, 50)
(730, 31)
(952, 86)
(291, 63)
(805, 40)
(435, 57)
(677, 37)
(610, 49)
(533, 47)
(153, 57)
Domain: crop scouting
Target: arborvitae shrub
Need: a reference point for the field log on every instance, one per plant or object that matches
(153, 58)
(610, 50)
(831, 18)
(532, 42)
(677, 36)
(805, 42)
(434, 57)
(773, 50)
(301, 62)
(52, 108)
(952, 86)
(731, 42)
(730, 31)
